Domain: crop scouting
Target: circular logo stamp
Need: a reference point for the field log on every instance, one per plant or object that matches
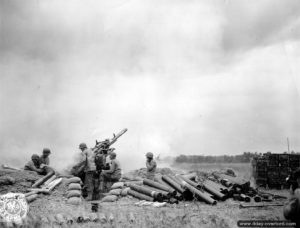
(13, 208)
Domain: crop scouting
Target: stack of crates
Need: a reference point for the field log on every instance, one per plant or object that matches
(259, 165)
(294, 161)
(271, 170)
(284, 168)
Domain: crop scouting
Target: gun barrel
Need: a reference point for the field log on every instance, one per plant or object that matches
(115, 138)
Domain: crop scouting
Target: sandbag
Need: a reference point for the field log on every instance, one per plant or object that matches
(117, 185)
(124, 191)
(116, 192)
(110, 198)
(74, 186)
(74, 200)
(73, 180)
(73, 193)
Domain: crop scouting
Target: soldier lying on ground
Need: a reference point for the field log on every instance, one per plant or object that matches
(36, 165)
(292, 208)
(114, 172)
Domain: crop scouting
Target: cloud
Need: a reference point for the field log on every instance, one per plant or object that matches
(249, 25)
(171, 72)
(127, 37)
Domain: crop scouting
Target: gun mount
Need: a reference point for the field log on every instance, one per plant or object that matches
(104, 145)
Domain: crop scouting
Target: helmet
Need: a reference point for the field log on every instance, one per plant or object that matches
(82, 146)
(113, 154)
(35, 157)
(149, 155)
(46, 151)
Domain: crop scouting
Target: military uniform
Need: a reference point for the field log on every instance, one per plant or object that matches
(31, 166)
(100, 161)
(292, 208)
(114, 173)
(151, 169)
(45, 160)
(88, 156)
(151, 166)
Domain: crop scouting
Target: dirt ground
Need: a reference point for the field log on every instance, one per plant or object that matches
(184, 214)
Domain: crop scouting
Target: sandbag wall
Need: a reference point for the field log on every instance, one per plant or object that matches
(74, 190)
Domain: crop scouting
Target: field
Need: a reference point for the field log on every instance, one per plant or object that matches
(185, 214)
(242, 169)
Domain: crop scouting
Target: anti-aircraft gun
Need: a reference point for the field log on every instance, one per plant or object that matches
(103, 147)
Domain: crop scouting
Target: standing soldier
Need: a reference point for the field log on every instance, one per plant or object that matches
(45, 156)
(151, 166)
(100, 161)
(88, 156)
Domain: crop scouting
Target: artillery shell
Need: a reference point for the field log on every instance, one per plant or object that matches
(102, 218)
(79, 219)
(257, 198)
(69, 219)
(111, 218)
(60, 219)
(86, 218)
(31, 198)
(131, 217)
(93, 217)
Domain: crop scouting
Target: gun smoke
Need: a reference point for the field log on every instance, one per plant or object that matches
(172, 73)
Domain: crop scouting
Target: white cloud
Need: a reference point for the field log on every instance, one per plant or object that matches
(78, 71)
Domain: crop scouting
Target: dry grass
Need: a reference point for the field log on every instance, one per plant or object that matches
(185, 214)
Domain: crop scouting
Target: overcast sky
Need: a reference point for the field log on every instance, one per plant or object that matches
(185, 77)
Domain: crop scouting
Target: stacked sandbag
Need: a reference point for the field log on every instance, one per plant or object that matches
(74, 190)
(121, 188)
(117, 185)
(117, 188)
(109, 198)
(114, 193)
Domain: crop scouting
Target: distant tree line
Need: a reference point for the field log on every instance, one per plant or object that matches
(241, 158)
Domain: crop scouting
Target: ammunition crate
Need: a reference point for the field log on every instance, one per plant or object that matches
(272, 169)
(261, 182)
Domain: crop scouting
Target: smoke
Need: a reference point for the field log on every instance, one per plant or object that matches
(74, 71)
(250, 25)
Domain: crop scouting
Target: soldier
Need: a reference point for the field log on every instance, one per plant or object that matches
(151, 166)
(45, 156)
(113, 174)
(88, 156)
(100, 161)
(35, 165)
(292, 208)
